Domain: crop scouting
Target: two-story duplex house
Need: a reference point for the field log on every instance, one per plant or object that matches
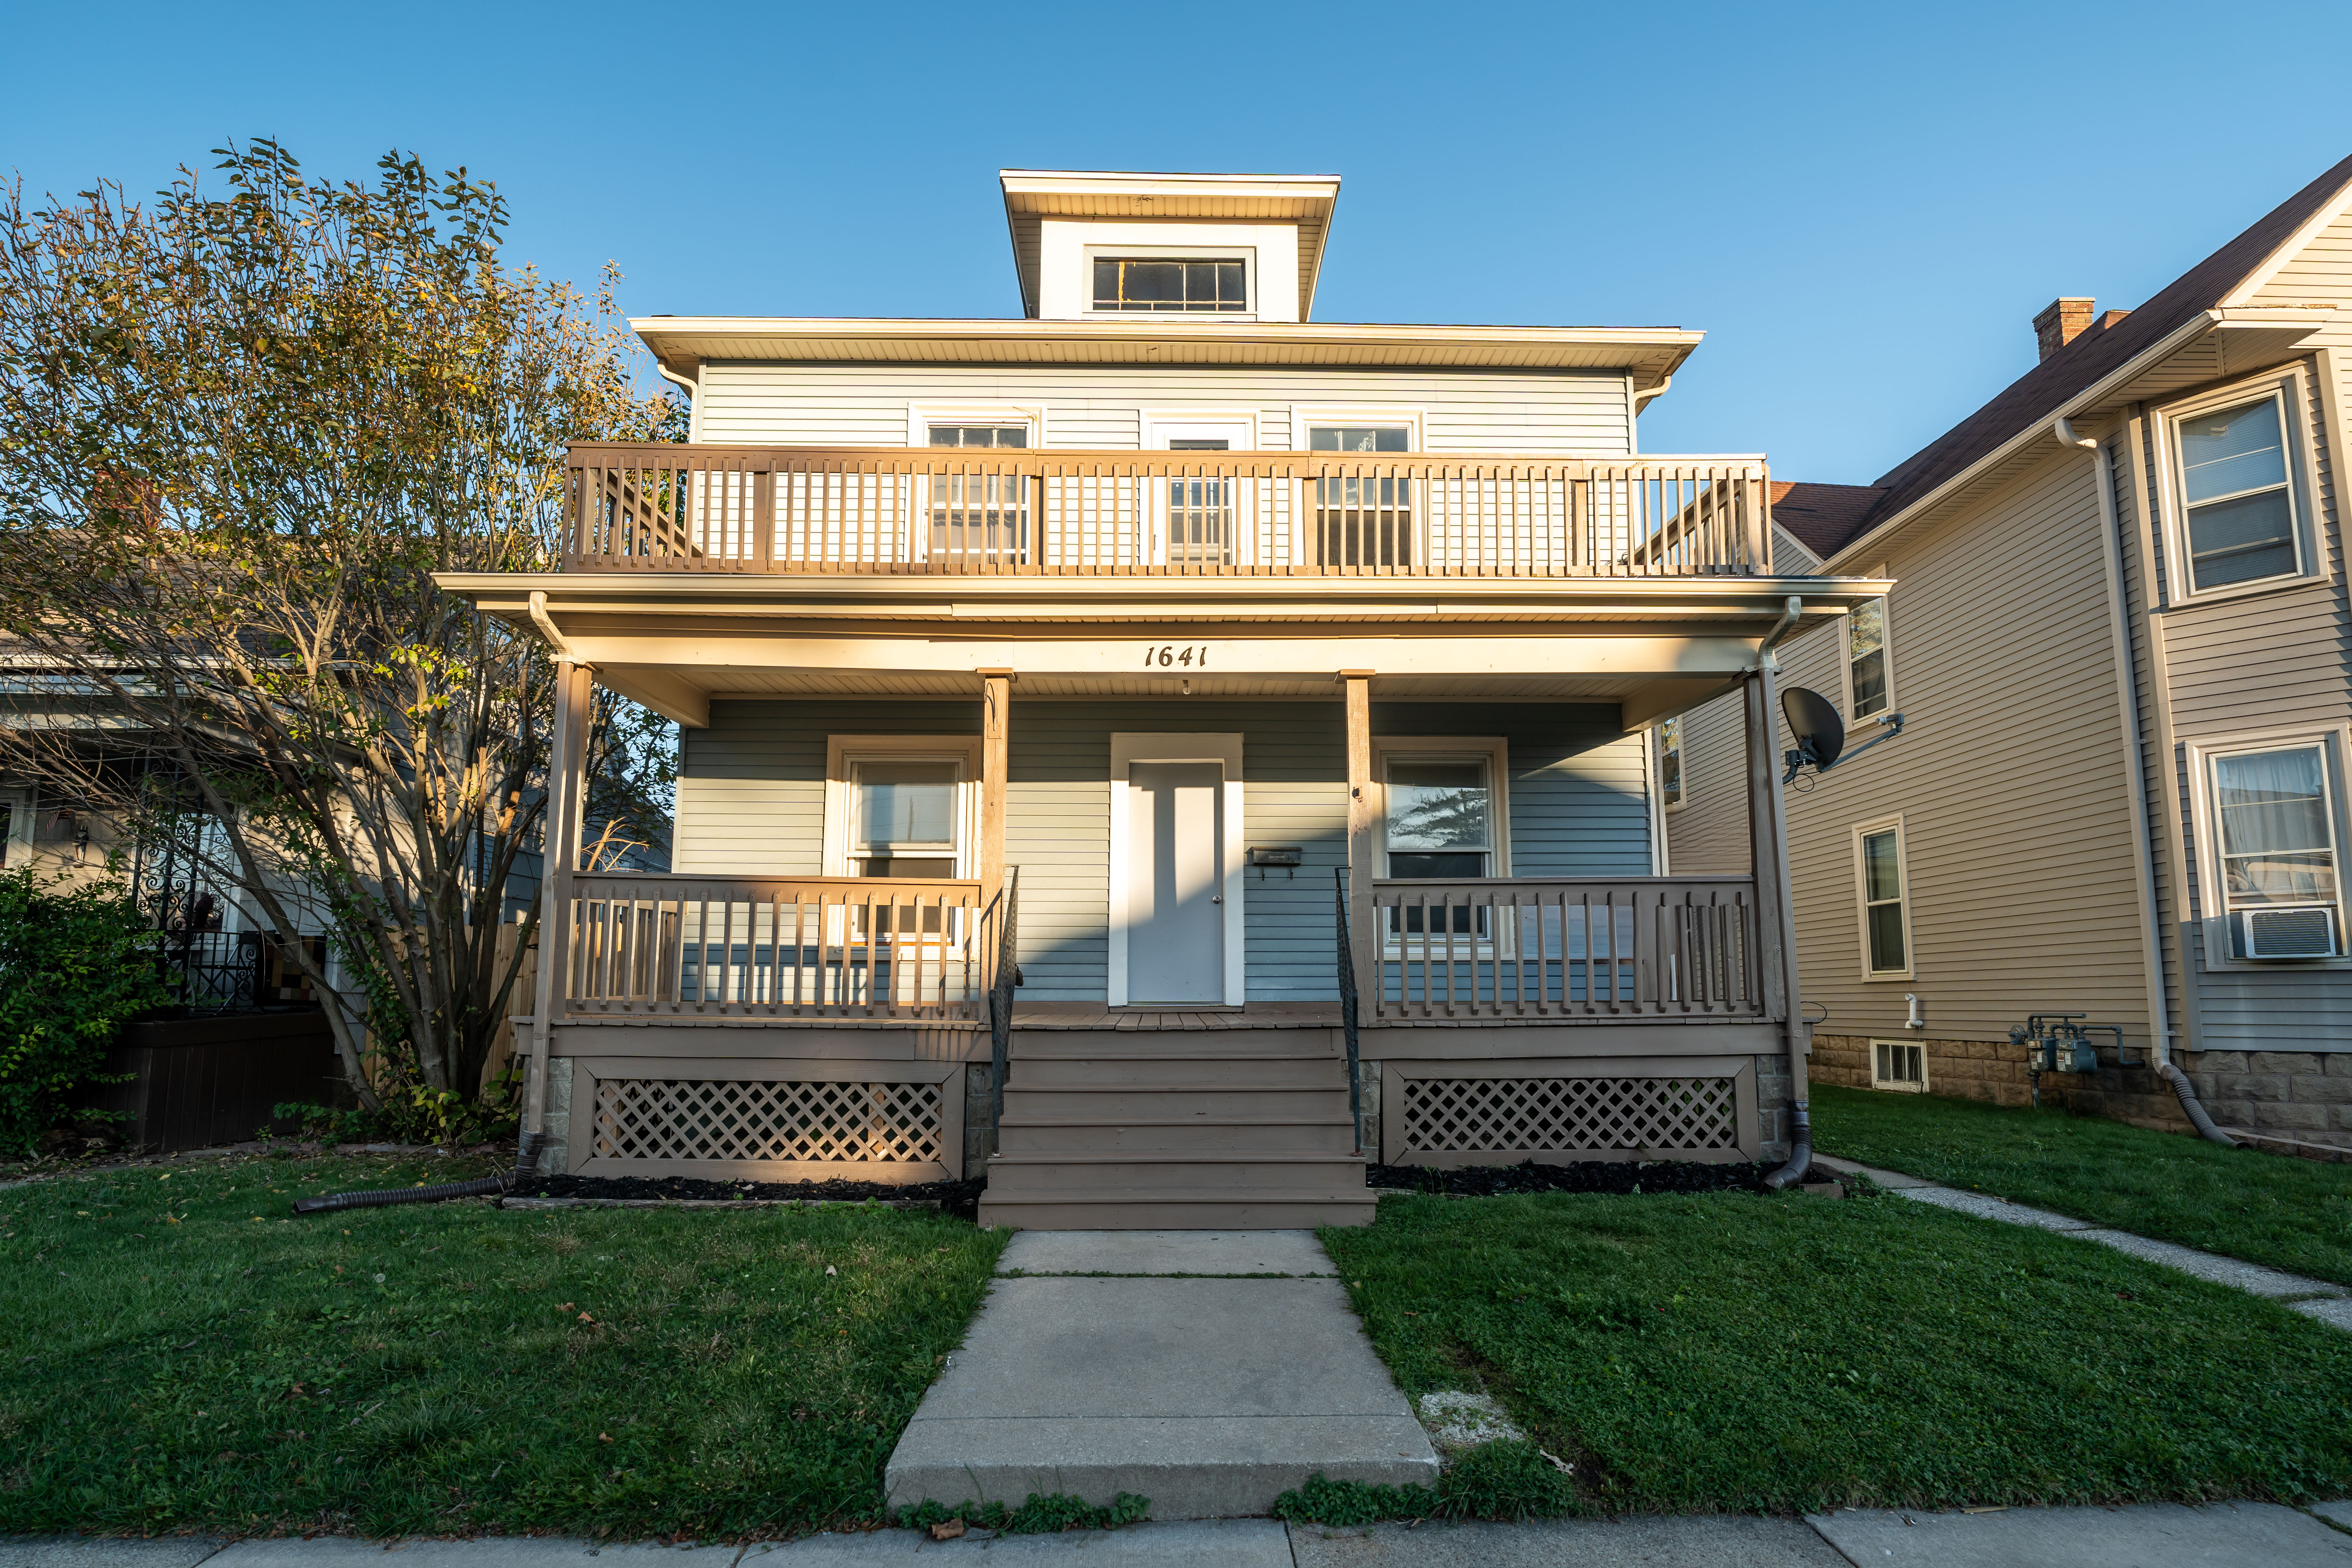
(1163, 746)
(2118, 641)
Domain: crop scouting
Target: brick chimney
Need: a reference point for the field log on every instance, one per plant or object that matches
(2061, 322)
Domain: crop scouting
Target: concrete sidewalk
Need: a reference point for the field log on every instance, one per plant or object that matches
(2329, 1304)
(1208, 1371)
(2162, 1535)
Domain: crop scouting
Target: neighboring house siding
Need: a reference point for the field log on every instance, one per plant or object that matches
(2273, 661)
(751, 801)
(1709, 833)
(790, 404)
(2017, 817)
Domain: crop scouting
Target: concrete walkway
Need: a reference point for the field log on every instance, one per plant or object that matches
(2163, 1535)
(1208, 1371)
(2330, 1304)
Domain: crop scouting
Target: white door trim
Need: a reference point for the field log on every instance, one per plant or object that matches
(1128, 748)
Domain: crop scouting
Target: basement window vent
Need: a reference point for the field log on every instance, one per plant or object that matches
(1898, 1065)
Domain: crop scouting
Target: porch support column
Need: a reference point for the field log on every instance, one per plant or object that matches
(1364, 845)
(567, 762)
(1776, 918)
(996, 704)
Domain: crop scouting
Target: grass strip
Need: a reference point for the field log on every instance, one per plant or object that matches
(1738, 1352)
(1042, 1514)
(2295, 1214)
(1505, 1480)
(176, 1353)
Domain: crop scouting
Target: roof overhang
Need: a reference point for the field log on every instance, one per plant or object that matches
(1650, 356)
(2213, 345)
(1032, 195)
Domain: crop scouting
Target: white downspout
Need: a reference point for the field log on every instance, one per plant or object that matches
(546, 624)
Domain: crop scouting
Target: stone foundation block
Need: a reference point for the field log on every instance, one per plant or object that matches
(2262, 1085)
(2292, 1117)
(2318, 1088)
(2289, 1062)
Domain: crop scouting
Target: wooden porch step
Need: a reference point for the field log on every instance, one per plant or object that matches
(1171, 1134)
(1118, 1105)
(1069, 1172)
(1177, 1071)
(1221, 1044)
(1286, 1209)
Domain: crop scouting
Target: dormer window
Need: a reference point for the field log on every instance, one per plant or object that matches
(1171, 283)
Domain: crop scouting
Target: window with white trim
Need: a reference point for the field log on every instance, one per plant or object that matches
(2281, 888)
(979, 515)
(902, 816)
(1442, 819)
(1869, 679)
(2234, 491)
(1880, 885)
(1363, 520)
(1899, 1065)
(1670, 763)
(1191, 284)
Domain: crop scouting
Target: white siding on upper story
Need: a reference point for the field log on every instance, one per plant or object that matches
(1562, 413)
(2319, 273)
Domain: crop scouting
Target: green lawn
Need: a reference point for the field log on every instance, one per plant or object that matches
(177, 1352)
(2295, 1214)
(1738, 1352)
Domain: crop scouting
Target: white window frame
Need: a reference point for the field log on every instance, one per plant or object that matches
(1871, 829)
(1414, 422)
(1680, 749)
(1886, 659)
(1881, 1048)
(1495, 751)
(2334, 744)
(921, 417)
(1238, 426)
(841, 751)
(1127, 749)
(2293, 390)
(1198, 251)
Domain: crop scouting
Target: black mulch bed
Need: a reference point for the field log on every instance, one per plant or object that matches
(1622, 1177)
(962, 1198)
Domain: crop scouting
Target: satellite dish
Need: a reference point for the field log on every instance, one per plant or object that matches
(1821, 734)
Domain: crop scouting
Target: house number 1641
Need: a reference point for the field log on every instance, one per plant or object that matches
(1163, 656)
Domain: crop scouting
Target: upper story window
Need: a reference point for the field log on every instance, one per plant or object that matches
(1358, 438)
(1869, 686)
(2236, 494)
(1171, 283)
(980, 436)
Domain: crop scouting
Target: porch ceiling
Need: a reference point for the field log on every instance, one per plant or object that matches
(718, 682)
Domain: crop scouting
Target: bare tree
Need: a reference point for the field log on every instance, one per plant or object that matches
(239, 429)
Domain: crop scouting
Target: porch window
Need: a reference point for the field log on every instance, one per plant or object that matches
(1189, 284)
(1362, 520)
(2236, 494)
(903, 817)
(979, 516)
(1440, 825)
(1885, 934)
(1670, 763)
(1868, 688)
(2279, 886)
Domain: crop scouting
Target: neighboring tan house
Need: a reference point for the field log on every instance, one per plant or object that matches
(1163, 625)
(2117, 638)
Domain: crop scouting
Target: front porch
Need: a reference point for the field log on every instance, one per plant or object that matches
(1168, 887)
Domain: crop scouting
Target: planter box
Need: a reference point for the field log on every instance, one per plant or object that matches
(205, 1081)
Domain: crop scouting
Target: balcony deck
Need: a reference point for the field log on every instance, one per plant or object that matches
(868, 511)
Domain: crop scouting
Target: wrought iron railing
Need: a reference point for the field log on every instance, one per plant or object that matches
(1000, 999)
(1348, 1018)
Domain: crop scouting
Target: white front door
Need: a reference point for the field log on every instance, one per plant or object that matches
(1203, 519)
(1176, 883)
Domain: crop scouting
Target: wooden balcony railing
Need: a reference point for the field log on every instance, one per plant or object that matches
(813, 947)
(1544, 947)
(785, 509)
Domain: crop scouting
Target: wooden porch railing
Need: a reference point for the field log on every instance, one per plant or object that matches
(811, 947)
(1544, 947)
(786, 510)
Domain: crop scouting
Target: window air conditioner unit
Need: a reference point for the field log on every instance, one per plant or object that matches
(2299, 931)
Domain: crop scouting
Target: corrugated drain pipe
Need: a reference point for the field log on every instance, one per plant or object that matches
(525, 1166)
(2186, 1093)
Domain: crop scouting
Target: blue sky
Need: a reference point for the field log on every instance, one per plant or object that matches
(1863, 205)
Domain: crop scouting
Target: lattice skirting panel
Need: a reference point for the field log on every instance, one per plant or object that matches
(768, 1120)
(1490, 1112)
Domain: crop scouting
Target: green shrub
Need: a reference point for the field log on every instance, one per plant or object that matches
(75, 966)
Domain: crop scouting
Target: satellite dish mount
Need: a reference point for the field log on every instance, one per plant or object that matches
(1821, 734)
